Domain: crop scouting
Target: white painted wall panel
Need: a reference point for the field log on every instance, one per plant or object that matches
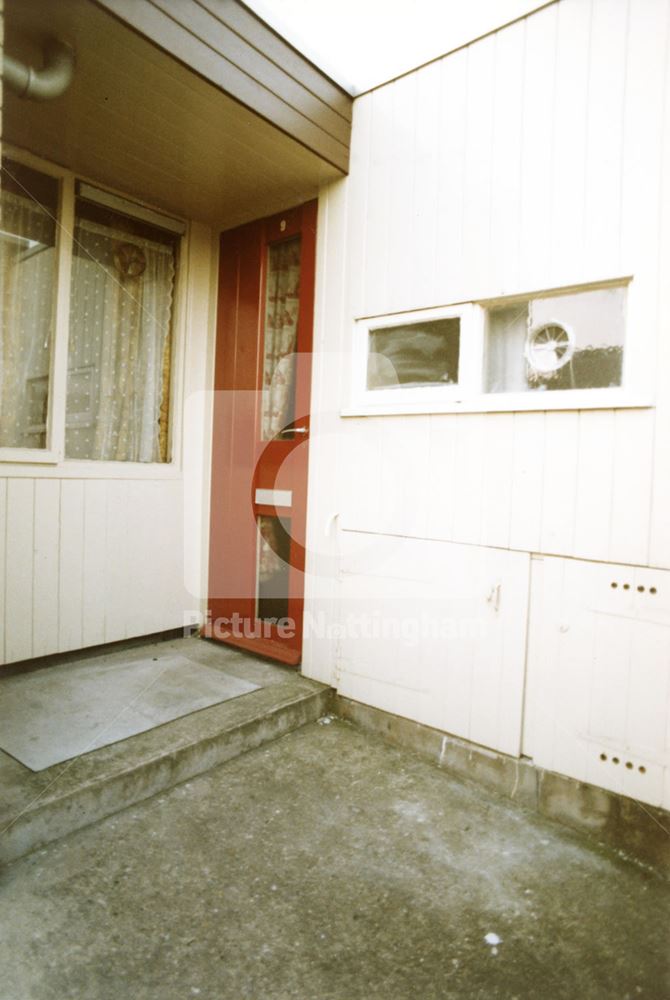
(71, 567)
(435, 632)
(526, 124)
(599, 675)
(94, 610)
(19, 569)
(547, 163)
(3, 563)
(46, 543)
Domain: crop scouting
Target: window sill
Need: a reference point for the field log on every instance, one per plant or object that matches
(52, 468)
(511, 402)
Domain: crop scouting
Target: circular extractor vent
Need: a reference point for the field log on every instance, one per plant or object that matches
(549, 347)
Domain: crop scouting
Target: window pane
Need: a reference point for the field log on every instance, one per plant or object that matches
(274, 552)
(123, 274)
(423, 354)
(572, 341)
(282, 299)
(29, 205)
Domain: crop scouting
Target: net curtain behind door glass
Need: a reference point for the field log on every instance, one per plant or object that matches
(281, 328)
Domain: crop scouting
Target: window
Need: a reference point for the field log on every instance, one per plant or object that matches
(417, 360)
(569, 341)
(87, 286)
(29, 203)
(558, 349)
(425, 354)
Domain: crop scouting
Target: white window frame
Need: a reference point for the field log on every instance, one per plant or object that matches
(417, 399)
(51, 460)
(469, 396)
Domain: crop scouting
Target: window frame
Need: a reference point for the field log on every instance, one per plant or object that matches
(416, 399)
(470, 394)
(51, 460)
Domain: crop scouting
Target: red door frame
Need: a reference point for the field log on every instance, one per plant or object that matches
(241, 462)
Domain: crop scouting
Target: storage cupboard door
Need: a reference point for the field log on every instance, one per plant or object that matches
(436, 632)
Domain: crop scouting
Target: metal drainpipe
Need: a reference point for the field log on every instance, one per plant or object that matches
(41, 84)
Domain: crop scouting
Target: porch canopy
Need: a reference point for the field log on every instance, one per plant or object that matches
(195, 106)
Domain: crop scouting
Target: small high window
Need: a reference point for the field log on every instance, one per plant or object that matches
(568, 341)
(413, 362)
(423, 354)
(549, 350)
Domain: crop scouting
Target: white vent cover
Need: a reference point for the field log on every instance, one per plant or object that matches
(549, 347)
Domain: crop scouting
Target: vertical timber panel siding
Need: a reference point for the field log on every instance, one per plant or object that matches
(423, 234)
(536, 166)
(46, 565)
(604, 137)
(660, 520)
(95, 561)
(548, 164)
(404, 179)
(451, 135)
(506, 163)
(3, 559)
(570, 123)
(525, 122)
(595, 469)
(71, 577)
(497, 482)
(380, 206)
(558, 489)
(19, 576)
(476, 194)
(357, 204)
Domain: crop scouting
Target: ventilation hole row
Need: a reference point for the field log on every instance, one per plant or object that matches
(626, 586)
(629, 764)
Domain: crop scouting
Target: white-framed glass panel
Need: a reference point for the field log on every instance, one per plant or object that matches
(119, 347)
(415, 362)
(569, 341)
(28, 275)
(414, 355)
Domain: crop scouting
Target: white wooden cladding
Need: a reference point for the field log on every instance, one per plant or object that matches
(598, 697)
(84, 562)
(437, 631)
(529, 160)
(535, 158)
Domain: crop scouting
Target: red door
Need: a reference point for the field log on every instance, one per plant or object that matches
(261, 434)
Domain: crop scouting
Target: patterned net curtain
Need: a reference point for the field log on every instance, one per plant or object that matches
(281, 328)
(118, 361)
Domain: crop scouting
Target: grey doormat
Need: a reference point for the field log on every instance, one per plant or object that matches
(52, 715)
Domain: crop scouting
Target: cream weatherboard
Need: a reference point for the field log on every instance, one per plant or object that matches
(530, 161)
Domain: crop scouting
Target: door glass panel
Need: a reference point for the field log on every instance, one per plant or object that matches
(28, 209)
(274, 550)
(282, 288)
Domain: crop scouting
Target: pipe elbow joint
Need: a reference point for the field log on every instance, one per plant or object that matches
(44, 84)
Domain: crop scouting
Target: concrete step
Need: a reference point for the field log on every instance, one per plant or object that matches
(39, 807)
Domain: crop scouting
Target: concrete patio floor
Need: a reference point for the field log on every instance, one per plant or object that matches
(329, 865)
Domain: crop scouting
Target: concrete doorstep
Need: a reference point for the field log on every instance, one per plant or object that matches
(40, 807)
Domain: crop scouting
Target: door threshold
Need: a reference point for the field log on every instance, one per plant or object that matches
(260, 647)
